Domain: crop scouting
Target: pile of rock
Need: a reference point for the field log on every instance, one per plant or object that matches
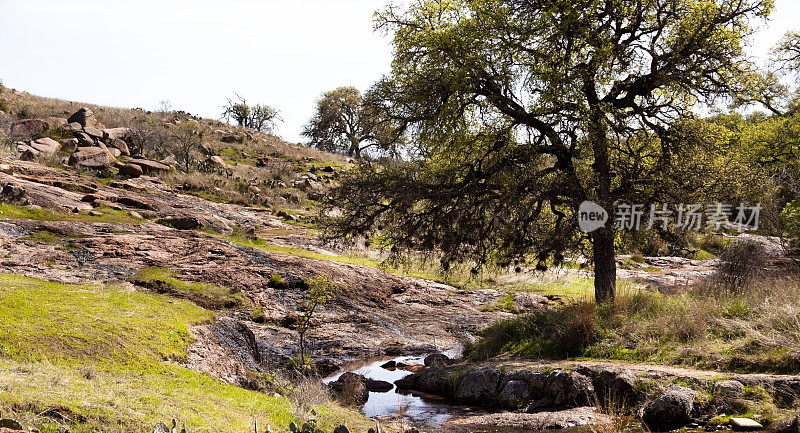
(93, 146)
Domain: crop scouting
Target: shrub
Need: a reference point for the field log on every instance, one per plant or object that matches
(741, 263)
(277, 282)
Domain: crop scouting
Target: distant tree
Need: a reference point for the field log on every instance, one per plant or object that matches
(349, 123)
(521, 110)
(321, 290)
(187, 138)
(258, 117)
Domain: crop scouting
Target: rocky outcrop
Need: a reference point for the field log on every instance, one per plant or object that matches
(151, 167)
(29, 129)
(479, 386)
(84, 117)
(350, 388)
(95, 158)
(671, 410)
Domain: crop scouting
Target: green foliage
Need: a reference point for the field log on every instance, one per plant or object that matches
(258, 314)
(277, 282)
(519, 111)
(506, 304)
(345, 122)
(206, 295)
(258, 117)
(321, 290)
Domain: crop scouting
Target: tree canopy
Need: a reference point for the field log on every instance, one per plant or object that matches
(349, 123)
(520, 110)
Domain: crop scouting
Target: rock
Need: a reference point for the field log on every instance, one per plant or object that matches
(524, 301)
(27, 153)
(93, 132)
(437, 360)
(745, 424)
(379, 385)
(75, 127)
(389, 365)
(56, 122)
(328, 169)
(5, 168)
(10, 424)
(46, 145)
(71, 144)
(115, 134)
(84, 139)
(120, 145)
(182, 222)
(350, 388)
(29, 129)
(115, 152)
(479, 385)
(131, 170)
(671, 410)
(151, 167)
(92, 158)
(216, 161)
(170, 161)
(726, 389)
(161, 428)
(341, 429)
(514, 394)
(85, 117)
(567, 388)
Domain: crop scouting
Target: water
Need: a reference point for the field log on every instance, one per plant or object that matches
(413, 407)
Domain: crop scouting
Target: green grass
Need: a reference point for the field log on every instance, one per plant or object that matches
(107, 215)
(206, 295)
(108, 358)
(706, 328)
(506, 303)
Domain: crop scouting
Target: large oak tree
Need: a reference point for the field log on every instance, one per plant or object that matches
(520, 110)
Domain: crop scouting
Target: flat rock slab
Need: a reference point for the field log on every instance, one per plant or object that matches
(559, 419)
(745, 424)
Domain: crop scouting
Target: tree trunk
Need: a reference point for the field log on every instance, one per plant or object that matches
(605, 267)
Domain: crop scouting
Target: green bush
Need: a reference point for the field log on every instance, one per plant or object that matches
(277, 282)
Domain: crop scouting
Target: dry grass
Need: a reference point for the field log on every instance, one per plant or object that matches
(756, 329)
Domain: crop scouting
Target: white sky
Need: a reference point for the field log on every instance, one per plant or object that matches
(197, 53)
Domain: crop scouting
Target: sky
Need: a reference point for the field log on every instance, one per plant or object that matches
(197, 53)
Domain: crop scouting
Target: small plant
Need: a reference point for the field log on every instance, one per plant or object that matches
(258, 314)
(741, 263)
(277, 282)
(321, 290)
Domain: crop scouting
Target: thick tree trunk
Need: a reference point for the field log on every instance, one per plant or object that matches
(605, 267)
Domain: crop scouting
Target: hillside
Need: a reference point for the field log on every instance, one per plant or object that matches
(155, 266)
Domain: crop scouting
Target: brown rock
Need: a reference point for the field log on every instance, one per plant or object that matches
(29, 129)
(131, 170)
(93, 132)
(85, 117)
(92, 157)
(46, 146)
(114, 133)
(84, 138)
(57, 122)
(151, 167)
(75, 127)
(120, 145)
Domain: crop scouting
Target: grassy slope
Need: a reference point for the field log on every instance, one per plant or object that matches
(103, 354)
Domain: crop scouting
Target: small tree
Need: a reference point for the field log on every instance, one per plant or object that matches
(321, 290)
(347, 122)
(187, 138)
(259, 117)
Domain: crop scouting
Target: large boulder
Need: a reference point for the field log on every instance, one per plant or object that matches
(350, 388)
(568, 388)
(92, 157)
(671, 410)
(479, 386)
(728, 389)
(131, 170)
(120, 145)
(93, 132)
(379, 385)
(115, 133)
(85, 117)
(514, 394)
(437, 360)
(47, 146)
(151, 167)
(29, 129)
